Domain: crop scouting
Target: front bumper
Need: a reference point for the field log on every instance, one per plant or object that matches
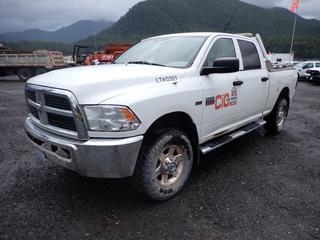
(103, 158)
(314, 78)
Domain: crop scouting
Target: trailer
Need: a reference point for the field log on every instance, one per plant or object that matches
(27, 64)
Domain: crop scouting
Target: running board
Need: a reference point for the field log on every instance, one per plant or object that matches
(218, 142)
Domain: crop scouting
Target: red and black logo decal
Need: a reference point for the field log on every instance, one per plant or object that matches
(223, 100)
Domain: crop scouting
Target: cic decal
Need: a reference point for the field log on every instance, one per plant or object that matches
(223, 100)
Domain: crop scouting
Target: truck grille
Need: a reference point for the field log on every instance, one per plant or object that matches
(61, 121)
(34, 112)
(31, 95)
(55, 110)
(314, 72)
(57, 102)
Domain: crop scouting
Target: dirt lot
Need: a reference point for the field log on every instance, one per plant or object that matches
(259, 187)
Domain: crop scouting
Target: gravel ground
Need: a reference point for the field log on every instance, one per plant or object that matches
(258, 187)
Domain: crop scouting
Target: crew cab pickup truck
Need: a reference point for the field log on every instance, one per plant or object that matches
(162, 104)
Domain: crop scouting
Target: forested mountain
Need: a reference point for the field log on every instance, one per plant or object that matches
(72, 33)
(154, 17)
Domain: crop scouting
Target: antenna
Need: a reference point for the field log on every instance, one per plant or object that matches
(226, 27)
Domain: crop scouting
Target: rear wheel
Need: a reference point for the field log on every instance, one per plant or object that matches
(278, 117)
(164, 165)
(24, 74)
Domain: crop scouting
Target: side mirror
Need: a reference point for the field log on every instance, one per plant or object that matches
(222, 65)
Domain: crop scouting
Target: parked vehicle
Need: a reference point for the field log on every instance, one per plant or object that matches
(152, 113)
(304, 67)
(27, 64)
(80, 53)
(314, 74)
(112, 52)
(84, 55)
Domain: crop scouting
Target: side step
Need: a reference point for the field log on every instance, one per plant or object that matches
(218, 142)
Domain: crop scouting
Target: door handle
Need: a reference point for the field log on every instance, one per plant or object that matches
(237, 83)
(264, 79)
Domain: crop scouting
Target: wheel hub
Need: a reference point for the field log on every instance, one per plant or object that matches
(282, 115)
(170, 165)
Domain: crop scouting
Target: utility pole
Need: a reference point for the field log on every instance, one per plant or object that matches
(95, 42)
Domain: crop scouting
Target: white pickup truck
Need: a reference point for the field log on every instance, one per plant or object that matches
(154, 111)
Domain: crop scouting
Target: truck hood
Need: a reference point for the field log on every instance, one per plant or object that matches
(95, 84)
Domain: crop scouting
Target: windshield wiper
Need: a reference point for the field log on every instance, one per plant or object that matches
(146, 63)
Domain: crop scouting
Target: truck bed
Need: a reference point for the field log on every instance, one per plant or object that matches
(43, 58)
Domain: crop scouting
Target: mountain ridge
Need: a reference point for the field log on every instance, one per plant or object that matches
(154, 17)
(67, 34)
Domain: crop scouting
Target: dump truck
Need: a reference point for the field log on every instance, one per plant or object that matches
(27, 64)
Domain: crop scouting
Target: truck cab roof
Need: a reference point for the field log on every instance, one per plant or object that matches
(206, 34)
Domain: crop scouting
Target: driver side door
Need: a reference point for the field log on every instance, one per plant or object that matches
(221, 103)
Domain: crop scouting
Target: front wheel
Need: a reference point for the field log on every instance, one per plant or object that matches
(278, 117)
(164, 165)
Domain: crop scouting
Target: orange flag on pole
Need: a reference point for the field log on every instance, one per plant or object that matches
(294, 6)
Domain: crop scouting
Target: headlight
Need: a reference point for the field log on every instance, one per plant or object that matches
(111, 118)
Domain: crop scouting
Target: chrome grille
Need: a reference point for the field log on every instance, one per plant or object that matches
(56, 111)
(314, 72)
(34, 112)
(31, 94)
(61, 121)
(57, 102)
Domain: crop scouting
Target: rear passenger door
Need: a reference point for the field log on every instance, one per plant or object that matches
(255, 78)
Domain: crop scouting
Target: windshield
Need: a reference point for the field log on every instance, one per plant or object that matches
(300, 65)
(171, 51)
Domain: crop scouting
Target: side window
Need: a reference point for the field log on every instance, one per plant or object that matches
(250, 56)
(308, 65)
(222, 48)
(318, 65)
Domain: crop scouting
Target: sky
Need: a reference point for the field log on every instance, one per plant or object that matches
(307, 8)
(18, 15)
